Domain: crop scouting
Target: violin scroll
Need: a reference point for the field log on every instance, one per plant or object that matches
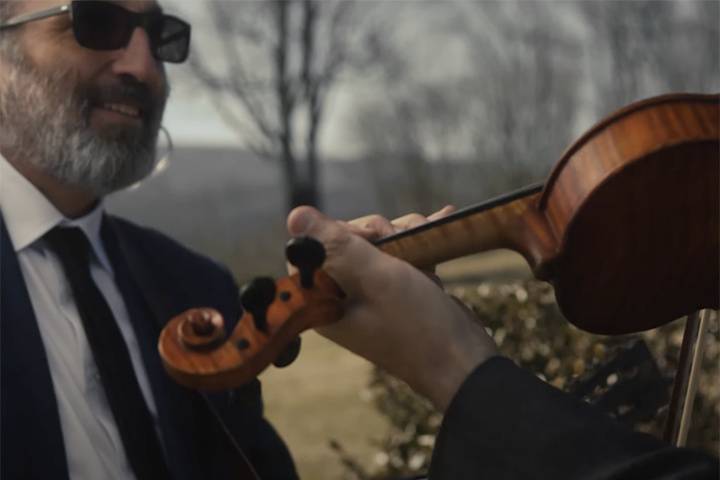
(256, 297)
(196, 353)
(200, 329)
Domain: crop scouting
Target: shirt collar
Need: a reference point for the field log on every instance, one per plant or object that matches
(29, 215)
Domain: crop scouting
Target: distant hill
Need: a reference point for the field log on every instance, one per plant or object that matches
(230, 205)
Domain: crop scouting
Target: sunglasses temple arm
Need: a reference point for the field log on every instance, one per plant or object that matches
(30, 17)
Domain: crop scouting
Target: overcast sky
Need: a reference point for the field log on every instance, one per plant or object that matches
(192, 119)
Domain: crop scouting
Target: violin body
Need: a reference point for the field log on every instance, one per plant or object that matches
(633, 209)
(625, 228)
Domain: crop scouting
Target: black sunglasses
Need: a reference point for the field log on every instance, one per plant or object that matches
(101, 25)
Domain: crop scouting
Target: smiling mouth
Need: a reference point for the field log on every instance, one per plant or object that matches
(122, 109)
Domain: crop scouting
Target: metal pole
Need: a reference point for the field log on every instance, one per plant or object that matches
(686, 378)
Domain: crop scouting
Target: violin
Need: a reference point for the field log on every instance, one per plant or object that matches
(625, 228)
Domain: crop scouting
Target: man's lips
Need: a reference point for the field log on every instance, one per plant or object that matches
(128, 99)
(122, 108)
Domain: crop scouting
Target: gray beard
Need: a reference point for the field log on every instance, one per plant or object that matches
(46, 123)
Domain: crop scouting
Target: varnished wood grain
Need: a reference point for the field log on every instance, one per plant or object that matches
(626, 227)
(503, 226)
(295, 310)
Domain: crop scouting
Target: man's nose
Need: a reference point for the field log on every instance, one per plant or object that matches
(138, 61)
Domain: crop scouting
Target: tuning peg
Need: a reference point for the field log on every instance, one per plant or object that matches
(256, 297)
(307, 255)
(290, 353)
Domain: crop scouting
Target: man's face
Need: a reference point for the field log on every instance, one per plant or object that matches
(87, 118)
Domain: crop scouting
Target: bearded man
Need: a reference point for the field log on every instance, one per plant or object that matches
(84, 294)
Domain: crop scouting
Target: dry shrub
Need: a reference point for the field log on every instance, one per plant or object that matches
(526, 324)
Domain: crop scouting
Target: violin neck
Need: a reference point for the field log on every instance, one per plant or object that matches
(510, 221)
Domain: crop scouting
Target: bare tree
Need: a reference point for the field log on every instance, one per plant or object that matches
(498, 123)
(281, 60)
(648, 47)
(526, 83)
(536, 74)
(411, 140)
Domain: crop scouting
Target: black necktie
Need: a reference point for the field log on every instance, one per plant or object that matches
(111, 356)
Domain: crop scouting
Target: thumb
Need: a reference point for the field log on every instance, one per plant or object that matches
(350, 258)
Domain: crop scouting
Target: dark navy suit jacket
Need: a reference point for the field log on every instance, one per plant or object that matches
(158, 279)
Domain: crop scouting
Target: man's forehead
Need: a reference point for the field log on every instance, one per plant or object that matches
(134, 5)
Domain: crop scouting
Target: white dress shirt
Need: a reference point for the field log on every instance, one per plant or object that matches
(92, 441)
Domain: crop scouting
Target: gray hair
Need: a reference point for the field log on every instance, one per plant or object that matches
(7, 9)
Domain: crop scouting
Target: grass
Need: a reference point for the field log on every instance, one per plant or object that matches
(318, 398)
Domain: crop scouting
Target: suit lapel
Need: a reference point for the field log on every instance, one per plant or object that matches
(32, 441)
(188, 421)
(149, 306)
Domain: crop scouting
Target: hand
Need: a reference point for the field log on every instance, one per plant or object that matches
(395, 316)
(373, 227)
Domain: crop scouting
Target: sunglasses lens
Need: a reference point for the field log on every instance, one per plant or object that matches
(100, 25)
(171, 39)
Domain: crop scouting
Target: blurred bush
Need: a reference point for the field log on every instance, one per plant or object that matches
(528, 328)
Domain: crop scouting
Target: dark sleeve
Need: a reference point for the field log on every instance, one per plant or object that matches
(505, 423)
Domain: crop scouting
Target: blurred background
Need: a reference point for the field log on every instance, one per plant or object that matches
(395, 106)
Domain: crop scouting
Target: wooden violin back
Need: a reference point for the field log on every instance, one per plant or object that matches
(633, 207)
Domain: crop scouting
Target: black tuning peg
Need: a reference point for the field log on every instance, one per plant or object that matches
(256, 297)
(307, 255)
(289, 354)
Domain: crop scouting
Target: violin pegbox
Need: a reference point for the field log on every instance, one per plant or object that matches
(196, 353)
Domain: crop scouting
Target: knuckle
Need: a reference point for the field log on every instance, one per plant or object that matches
(376, 219)
(336, 241)
(409, 220)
